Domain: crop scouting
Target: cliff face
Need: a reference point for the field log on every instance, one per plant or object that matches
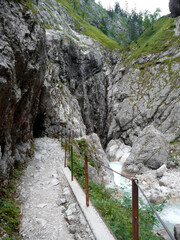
(58, 79)
(22, 66)
(144, 95)
(174, 7)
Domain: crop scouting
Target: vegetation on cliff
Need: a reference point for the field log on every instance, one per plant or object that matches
(159, 38)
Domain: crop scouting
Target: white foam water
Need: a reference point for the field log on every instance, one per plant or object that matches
(171, 211)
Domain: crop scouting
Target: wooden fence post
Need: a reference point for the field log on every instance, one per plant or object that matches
(71, 163)
(135, 210)
(65, 153)
(69, 139)
(86, 179)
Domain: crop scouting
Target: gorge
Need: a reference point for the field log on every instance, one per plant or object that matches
(54, 76)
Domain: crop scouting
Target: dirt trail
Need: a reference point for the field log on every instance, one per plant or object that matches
(49, 210)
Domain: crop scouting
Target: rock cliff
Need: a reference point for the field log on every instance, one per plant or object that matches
(174, 7)
(57, 78)
(22, 67)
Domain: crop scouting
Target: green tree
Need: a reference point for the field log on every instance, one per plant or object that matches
(117, 8)
(103, 26)
(111, 13)
(149, 18)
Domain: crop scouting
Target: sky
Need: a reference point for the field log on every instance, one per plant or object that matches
(140, 5)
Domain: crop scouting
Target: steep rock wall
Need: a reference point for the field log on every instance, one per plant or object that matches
(81, 69)
(146, 93)
(22, 67)
(174, 7)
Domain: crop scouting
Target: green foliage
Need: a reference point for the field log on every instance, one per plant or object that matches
(153, 40)
(103, 26)
(177, 141)
(10, 207)
(116, 211)
(89, 30)
(149, 18)
(75, 4)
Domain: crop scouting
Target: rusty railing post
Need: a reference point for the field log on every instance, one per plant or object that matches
(86, 179)
(65, 153)
(69, 139)
(71, 163)
(61, 137)
(135, 210)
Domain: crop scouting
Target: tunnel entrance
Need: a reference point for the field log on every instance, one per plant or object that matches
(38, 127)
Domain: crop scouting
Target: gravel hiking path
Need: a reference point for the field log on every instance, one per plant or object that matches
(49, 209)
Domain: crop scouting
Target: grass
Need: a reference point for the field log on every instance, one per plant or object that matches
(88, 29)
(10, 207)
(155, 40)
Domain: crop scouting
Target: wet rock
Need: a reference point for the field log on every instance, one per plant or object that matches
(117, 151)
(156, 196)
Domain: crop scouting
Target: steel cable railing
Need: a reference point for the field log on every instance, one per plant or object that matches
(135, 187)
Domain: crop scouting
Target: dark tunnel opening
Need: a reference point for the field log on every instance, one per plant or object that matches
(38, 127)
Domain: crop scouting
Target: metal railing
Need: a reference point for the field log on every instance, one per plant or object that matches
(135, 193)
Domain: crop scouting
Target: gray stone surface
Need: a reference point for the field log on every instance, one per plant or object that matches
(86, 87)
(117, 151)
(49, 209)
(22, 67)
(99, 173)
(149, 151)
(97, 224)
(161, 171)
(174, 7)
(177, 231)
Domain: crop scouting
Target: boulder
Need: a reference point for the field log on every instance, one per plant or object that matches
(156, 196)
(99, 173)
(117, 151)
(174, 7)
(177, 231)
(149, 151)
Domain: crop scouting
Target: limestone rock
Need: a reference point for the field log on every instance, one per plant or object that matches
(100, 173)
(156, 197)
(22, 67)
(145, 95)
(160, 171)
(174, 7)
(177, 231)
(150, 150)
(117, 151)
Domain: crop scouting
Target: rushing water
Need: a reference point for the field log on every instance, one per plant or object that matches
(171, 211)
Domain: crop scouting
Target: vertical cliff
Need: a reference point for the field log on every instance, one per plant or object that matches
(22, 68)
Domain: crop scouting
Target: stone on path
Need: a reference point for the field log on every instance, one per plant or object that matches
(46, 198)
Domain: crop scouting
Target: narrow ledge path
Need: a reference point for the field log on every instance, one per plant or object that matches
(49, 209)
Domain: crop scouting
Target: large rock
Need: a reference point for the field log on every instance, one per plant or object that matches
(145, 94)
(117, 151)
(177, 231)
(149, 151)
(22, 67)
(174, 7)
(99, 173)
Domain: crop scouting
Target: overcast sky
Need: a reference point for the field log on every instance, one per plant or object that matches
(140, 5)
